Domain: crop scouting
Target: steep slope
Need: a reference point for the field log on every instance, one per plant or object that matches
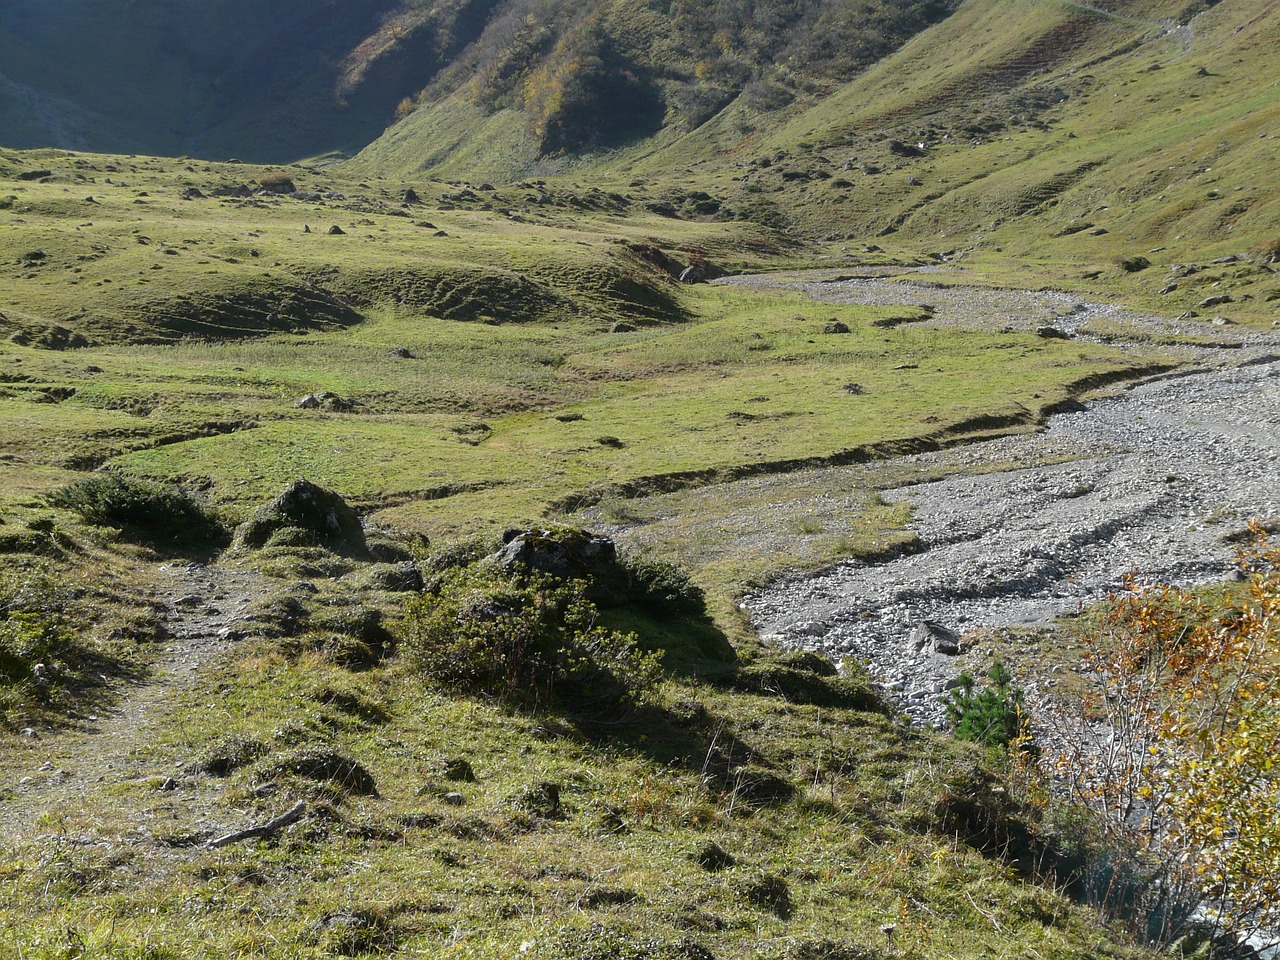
(263, 81)
(1057, 140)
(552, 80)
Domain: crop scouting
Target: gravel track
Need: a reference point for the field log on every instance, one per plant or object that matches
(53, 775)
(1159, 473)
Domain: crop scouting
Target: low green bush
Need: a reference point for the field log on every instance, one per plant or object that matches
(992, 717)
(158, 513)
(527, 639)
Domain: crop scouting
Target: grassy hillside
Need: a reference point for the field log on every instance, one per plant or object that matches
(478, 762)
(1039, 140)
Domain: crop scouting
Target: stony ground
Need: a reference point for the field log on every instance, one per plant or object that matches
(1157, 476)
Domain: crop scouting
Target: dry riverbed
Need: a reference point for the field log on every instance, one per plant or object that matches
(1153, 479)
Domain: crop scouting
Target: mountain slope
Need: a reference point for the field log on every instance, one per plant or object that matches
(265, 81)
(1071, 140)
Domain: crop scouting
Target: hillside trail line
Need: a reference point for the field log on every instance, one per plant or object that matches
(50, 775)
(1153, 478)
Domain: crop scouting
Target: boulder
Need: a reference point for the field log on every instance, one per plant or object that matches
(336, 231)
(561, 553)
(933, 637)
(1215, 301)
(835, 326)
(309, 507)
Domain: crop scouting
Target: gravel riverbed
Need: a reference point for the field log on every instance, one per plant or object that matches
(1158, 474)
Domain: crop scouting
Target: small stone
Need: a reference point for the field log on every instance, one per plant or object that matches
(454, 799)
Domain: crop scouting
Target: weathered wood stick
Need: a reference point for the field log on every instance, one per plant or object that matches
(265, 830)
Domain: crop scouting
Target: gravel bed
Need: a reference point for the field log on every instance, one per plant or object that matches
(1162, 472)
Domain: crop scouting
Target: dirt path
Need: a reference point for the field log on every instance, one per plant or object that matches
(1158, 474)
(51, 775)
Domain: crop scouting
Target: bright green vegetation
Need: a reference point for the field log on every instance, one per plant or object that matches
(459, 358)
(464, 384)
(994, 716)
(760, 809)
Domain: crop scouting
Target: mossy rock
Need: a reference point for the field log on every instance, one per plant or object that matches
(229, 755)
(302, 511)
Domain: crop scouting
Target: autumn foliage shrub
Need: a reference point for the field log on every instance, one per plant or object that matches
(1177, 754)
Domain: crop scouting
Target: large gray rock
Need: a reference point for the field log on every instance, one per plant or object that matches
(310, 508)
(932, 637)
(569, 554)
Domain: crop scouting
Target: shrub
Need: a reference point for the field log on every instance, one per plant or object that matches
(1186, 789)
(158, 513)
(664, 587)
(527, 639)
(993, 717)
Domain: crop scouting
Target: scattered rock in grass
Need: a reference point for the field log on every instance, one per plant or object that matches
(609, 441)
(395, 577)
(542, 800)
(454, 799)
(1052, 333)
(853, 389)
(401, 353)
(567, 554)
(410, 196)
(327, 766)
(276, 183)
(622, 327)
(835, 326)
(308, 506)
(1215, 301)
(228, 755)
(336, 231)
(1134, 264)
(192, 193)
(33, 174)
(714, 857)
